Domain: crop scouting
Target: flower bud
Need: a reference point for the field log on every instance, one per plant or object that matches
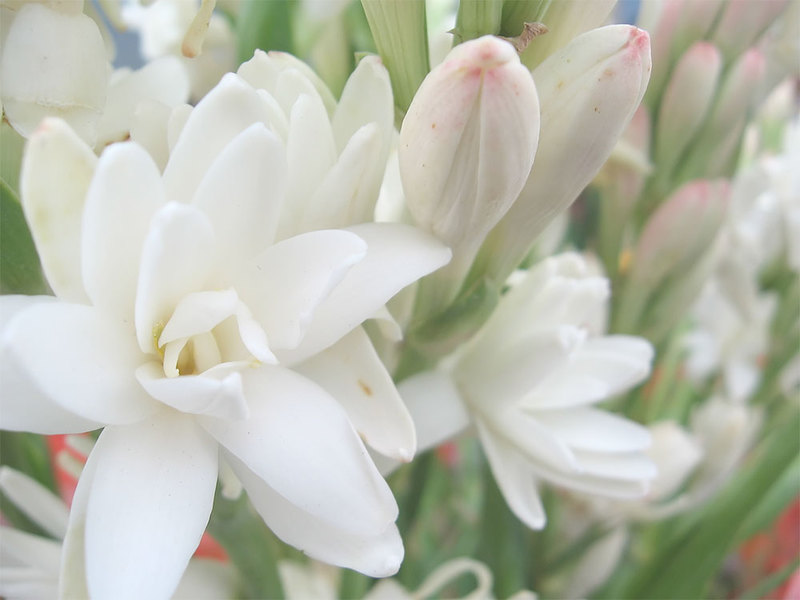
(672, 256)
(716, 147)
(53, 64)
(686, 102)
(468, 142)
(742, 22)
(589, 91)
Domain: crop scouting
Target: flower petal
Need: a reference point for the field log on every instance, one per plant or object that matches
(243, 192)
(227, 110)
(178, 257)
(595, 430)
(397, 255)
(125, 193)
(283, 285)
(301, 443)
(632, 466)
(24, 406)
(80, 358)
(436, 407)
(40, 504)
(376, 555)
(197, 394)
(151, 497)
(352, 372)
(56, 172)
(515, 479)
(199, 312)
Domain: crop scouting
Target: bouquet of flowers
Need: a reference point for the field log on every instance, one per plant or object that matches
(400, 299)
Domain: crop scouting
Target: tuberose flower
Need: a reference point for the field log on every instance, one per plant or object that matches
(527, 382)
(180, 326)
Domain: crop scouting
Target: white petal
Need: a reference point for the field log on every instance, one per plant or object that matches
(494, 377)
(532, 439)
(397, 255)
(178, 257)
(207, 579)
(31, 550)
(40, 504)
(56, 172)
(284, 284)
(220, 116)
(346, 194)
(199, 312)
(602, 367)
(82, 359)
(125, 193)
(352, 372)
(164, 80)
(243, 192)
(151, 497)
(310, 152)
(634, 466)
(595, 430)
(24, 406)
(514, 478)
(149, 130)
(376, 555)
(436, 406)
(201, 394)
(300, 442)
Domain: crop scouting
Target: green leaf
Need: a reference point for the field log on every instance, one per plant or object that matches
(477, 18)
(20, 270)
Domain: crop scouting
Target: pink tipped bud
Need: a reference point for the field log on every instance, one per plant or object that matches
(686, 102)
(468, 141)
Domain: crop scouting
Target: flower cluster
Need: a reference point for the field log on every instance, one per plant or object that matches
(264, 274)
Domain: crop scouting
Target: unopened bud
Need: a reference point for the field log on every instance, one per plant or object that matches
(742, 22)
(467, 143)
(589, 91)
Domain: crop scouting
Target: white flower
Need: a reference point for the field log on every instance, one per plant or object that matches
(30, 565)
(178, 323)
(527, 381)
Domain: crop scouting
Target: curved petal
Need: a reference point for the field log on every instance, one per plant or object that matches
(352, 372)
(24, 406)
(56, 172)
(81, 359)
(123, 197)
(397, 255)
(243, 192)
(197, 394)
(515, 479)
(150, 499)
(376, 555)
(300, 442)
(629, 466)
(283, 285)
(41, 505)
(595, 430)
(227, 110)
(199, 312)
(436, 406)
(178, 257)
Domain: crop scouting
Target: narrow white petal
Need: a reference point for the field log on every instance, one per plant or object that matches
(436, 406)
(352, 372)
(151, 497)
(376, 555)
(123, 197)
(199, 312)
(40, 504)
(178, 257)
(34, 551)
(243, 193)
(301, 443)
(198, 394)
(515, 479)
(82, 359)
(207, 579)
(595, 430)
(633, 466)
(227, 110)
(56, 172)
(283, 285)
(24, 405)
(397, 255)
